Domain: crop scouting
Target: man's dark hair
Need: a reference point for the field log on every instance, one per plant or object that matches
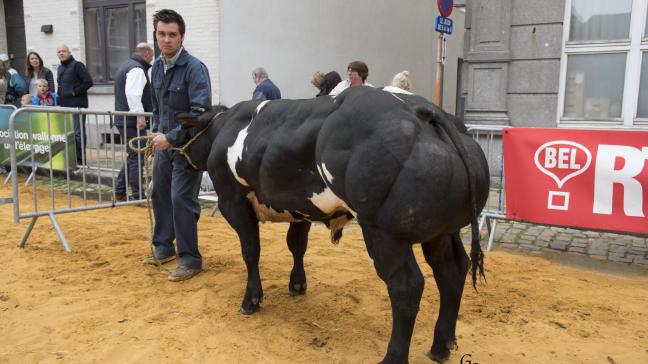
(168, 16)
(360, 67)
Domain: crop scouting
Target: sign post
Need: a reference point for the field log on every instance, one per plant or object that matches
(443, 25)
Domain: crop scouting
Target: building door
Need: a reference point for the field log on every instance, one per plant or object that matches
(16, 43)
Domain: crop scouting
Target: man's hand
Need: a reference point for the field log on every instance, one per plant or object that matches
(160, 142)
(141, 122)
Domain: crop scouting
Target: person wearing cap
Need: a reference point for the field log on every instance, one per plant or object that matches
(16, 87)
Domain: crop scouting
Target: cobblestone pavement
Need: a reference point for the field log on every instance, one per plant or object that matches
(597, 245)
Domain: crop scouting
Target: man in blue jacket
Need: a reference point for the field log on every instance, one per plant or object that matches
(265, 88)
(73, 82)
(180, 83)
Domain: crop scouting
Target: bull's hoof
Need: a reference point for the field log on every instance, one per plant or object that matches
(438, 357)
(297, 289)
(251, 306)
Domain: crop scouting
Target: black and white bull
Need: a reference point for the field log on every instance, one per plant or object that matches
(405, 169)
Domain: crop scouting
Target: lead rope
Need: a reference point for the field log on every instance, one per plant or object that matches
(148, 159)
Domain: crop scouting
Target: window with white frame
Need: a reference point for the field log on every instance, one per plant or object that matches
(604, 72)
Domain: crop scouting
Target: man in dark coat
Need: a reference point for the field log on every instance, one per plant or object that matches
(265, 89)
(133, 93)
(180, 83)
(73, 82)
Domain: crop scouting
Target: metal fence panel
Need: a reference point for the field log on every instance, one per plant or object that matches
(90, 186)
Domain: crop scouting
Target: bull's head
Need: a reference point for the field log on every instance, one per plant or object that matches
(196, 122)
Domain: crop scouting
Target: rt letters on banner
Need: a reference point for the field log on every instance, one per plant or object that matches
(580, 178)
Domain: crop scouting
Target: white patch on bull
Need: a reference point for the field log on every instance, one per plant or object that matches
(266, 213)
(235, 154)
(325, 174)
(329, 203)
(326, 201)
(260, 106)
(396, 90)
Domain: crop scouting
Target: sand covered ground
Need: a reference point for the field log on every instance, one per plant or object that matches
(99, 304)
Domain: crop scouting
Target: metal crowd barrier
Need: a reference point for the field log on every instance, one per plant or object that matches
(99, 169)
(489, 138)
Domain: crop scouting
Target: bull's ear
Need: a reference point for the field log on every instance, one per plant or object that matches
(197, 117)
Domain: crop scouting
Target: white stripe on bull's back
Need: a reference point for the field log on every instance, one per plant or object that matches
(235, 154)
(259, 107)
(325, 174)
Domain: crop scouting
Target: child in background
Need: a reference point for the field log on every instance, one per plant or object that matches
(44, 96)
(26, 100)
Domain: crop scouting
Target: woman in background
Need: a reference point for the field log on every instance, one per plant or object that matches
(402, 81)
(325, 82)
(35, 70)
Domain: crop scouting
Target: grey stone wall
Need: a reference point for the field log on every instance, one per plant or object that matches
(512, 61)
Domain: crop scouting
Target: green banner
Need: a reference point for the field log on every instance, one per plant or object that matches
(37, 140)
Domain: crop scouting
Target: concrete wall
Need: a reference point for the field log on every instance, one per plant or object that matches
(201, 37)
(294, 38)
(3, 26)
(512, 69)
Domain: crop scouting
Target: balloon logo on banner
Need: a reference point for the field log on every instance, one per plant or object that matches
(561, 162)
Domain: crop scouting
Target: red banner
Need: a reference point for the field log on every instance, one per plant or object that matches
(581, 178)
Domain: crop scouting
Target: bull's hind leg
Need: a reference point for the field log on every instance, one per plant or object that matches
(297, 239)
(395, 264)
(240, 215)
(449, 261)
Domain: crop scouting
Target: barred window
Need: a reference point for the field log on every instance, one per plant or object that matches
(112, 29)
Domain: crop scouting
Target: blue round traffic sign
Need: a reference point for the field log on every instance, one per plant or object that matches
(445, 7)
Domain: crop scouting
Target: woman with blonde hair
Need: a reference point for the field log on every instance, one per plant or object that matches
(325, 82)
(402, 81)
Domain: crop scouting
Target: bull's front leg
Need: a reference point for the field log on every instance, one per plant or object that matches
(297, 239)
(240, 215)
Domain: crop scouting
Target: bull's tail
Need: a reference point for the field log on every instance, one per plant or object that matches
(439, 117)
